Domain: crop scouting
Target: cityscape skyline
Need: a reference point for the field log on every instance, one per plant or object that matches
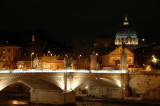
(64, 21)
(95, 52)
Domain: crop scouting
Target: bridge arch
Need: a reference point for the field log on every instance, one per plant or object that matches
(117, 80)
(99, 87)
(33, 83)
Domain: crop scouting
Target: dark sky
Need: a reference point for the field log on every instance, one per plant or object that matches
(80, 18)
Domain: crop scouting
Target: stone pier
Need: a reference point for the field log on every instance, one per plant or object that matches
(40, 96)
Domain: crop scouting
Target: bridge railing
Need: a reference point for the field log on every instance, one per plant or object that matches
(60, 71)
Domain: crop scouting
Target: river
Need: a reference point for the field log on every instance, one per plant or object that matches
(16, 102)
(22, 99)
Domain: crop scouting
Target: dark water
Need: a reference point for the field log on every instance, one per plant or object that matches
(14, 102)
(23, 100)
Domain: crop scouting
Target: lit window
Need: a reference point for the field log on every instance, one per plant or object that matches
(3, 51)
(4, 67)
(44, 66)
(4, 59)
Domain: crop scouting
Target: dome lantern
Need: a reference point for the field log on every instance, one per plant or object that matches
(126, 21)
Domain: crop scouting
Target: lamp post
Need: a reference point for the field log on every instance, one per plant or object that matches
(49, 52)
(97, 60)
(31, 60)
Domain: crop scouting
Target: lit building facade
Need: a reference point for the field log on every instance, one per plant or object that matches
(23, 64)
(9, 56)
(49, 62)
(113, 59)
(126, 35)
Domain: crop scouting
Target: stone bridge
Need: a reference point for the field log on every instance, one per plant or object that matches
(48, 84)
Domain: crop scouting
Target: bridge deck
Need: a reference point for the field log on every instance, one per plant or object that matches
(60, 71)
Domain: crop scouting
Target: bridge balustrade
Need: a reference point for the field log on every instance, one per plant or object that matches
(60, 71)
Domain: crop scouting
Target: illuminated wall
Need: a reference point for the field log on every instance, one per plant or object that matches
(23, 64)
(8, 56)
(113, 58)
(49, 62)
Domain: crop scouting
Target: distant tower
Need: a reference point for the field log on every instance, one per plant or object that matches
(126, 35)
(33, 39)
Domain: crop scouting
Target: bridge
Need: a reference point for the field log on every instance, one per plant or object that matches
(61, 86)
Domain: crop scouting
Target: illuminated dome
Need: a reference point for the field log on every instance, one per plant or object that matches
(126, 32)
(126, 35)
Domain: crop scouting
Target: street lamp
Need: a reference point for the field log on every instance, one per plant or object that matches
(49, 52)
(31, 60)
(154, 60)
(97, 60)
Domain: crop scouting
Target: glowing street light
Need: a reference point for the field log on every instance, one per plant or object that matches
(49, 52)
(154, 60)
(86, 87)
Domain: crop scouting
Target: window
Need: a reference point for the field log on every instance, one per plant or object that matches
(9, 58)
(3, 51)
(4, 67)
(4, 59)
(9, 50)
(130, 60)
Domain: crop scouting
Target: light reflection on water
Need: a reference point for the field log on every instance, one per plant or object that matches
(84, 103)
(26, 103)
(18, 102)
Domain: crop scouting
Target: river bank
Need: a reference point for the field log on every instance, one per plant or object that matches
(24, 99)
(117, 101)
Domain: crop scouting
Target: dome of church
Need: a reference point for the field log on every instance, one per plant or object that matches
(126, 31)
(126, 35)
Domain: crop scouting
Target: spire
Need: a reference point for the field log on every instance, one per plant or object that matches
(126, 21)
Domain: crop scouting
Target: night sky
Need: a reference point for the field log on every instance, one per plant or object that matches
(80, 18)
